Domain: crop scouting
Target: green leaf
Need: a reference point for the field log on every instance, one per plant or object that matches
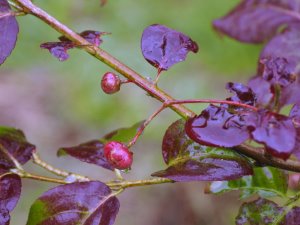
(123, 134)
(266, 181)
(190, 161)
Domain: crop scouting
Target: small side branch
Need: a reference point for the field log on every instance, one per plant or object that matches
(37, 160)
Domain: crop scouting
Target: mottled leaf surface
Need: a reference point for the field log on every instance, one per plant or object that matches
(254, 21)
(15, 144)
(260, 211)
(93, 151)
(10, 191)
(265, 181)
(9, 30)
(216, 126)
(190, 161)
(265, 212)
(163, 47)
(83, 203)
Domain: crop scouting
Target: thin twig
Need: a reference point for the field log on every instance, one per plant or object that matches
(145, 124)
(138, 183)
(37, 160)
(43, 178)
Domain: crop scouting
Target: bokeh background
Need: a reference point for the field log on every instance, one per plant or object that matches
(61, 104)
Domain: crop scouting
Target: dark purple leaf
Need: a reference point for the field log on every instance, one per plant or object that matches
(5, 162)
(206, 169)
(163, 47)
(10, 191)
(293, 217)
(278, 71)
(189, 161)
(215, 126)
(295, 115)
(286, 45)
(83, 203)
(263, 91)
(242, 93)
(260, 211)
(94, 37)
(59, 49)
(9, 30)
(90, 152)
(276, 132)
(93, 151)
(254, 21)
(15, 144)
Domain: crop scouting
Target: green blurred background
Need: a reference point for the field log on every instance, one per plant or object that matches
(61, 104)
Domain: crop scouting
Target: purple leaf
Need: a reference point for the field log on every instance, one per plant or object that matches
(94, 37)
(215, 126)
(59, 49)
(295, 115)
(77, 203)
(285, 45)
(189, 161)
(293, 217)
(15, 144)
(10, 191)
(206, 169)
(163, 47)
(278, 71)
(90, 152)
(276, 132)
(242, 93)
(263, 91)
(93, 151)
(9, 30)
(254, 21)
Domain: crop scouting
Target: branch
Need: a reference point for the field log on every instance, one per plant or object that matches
(128, 184)
(257, 154)
(37, 160)
(103, 56)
